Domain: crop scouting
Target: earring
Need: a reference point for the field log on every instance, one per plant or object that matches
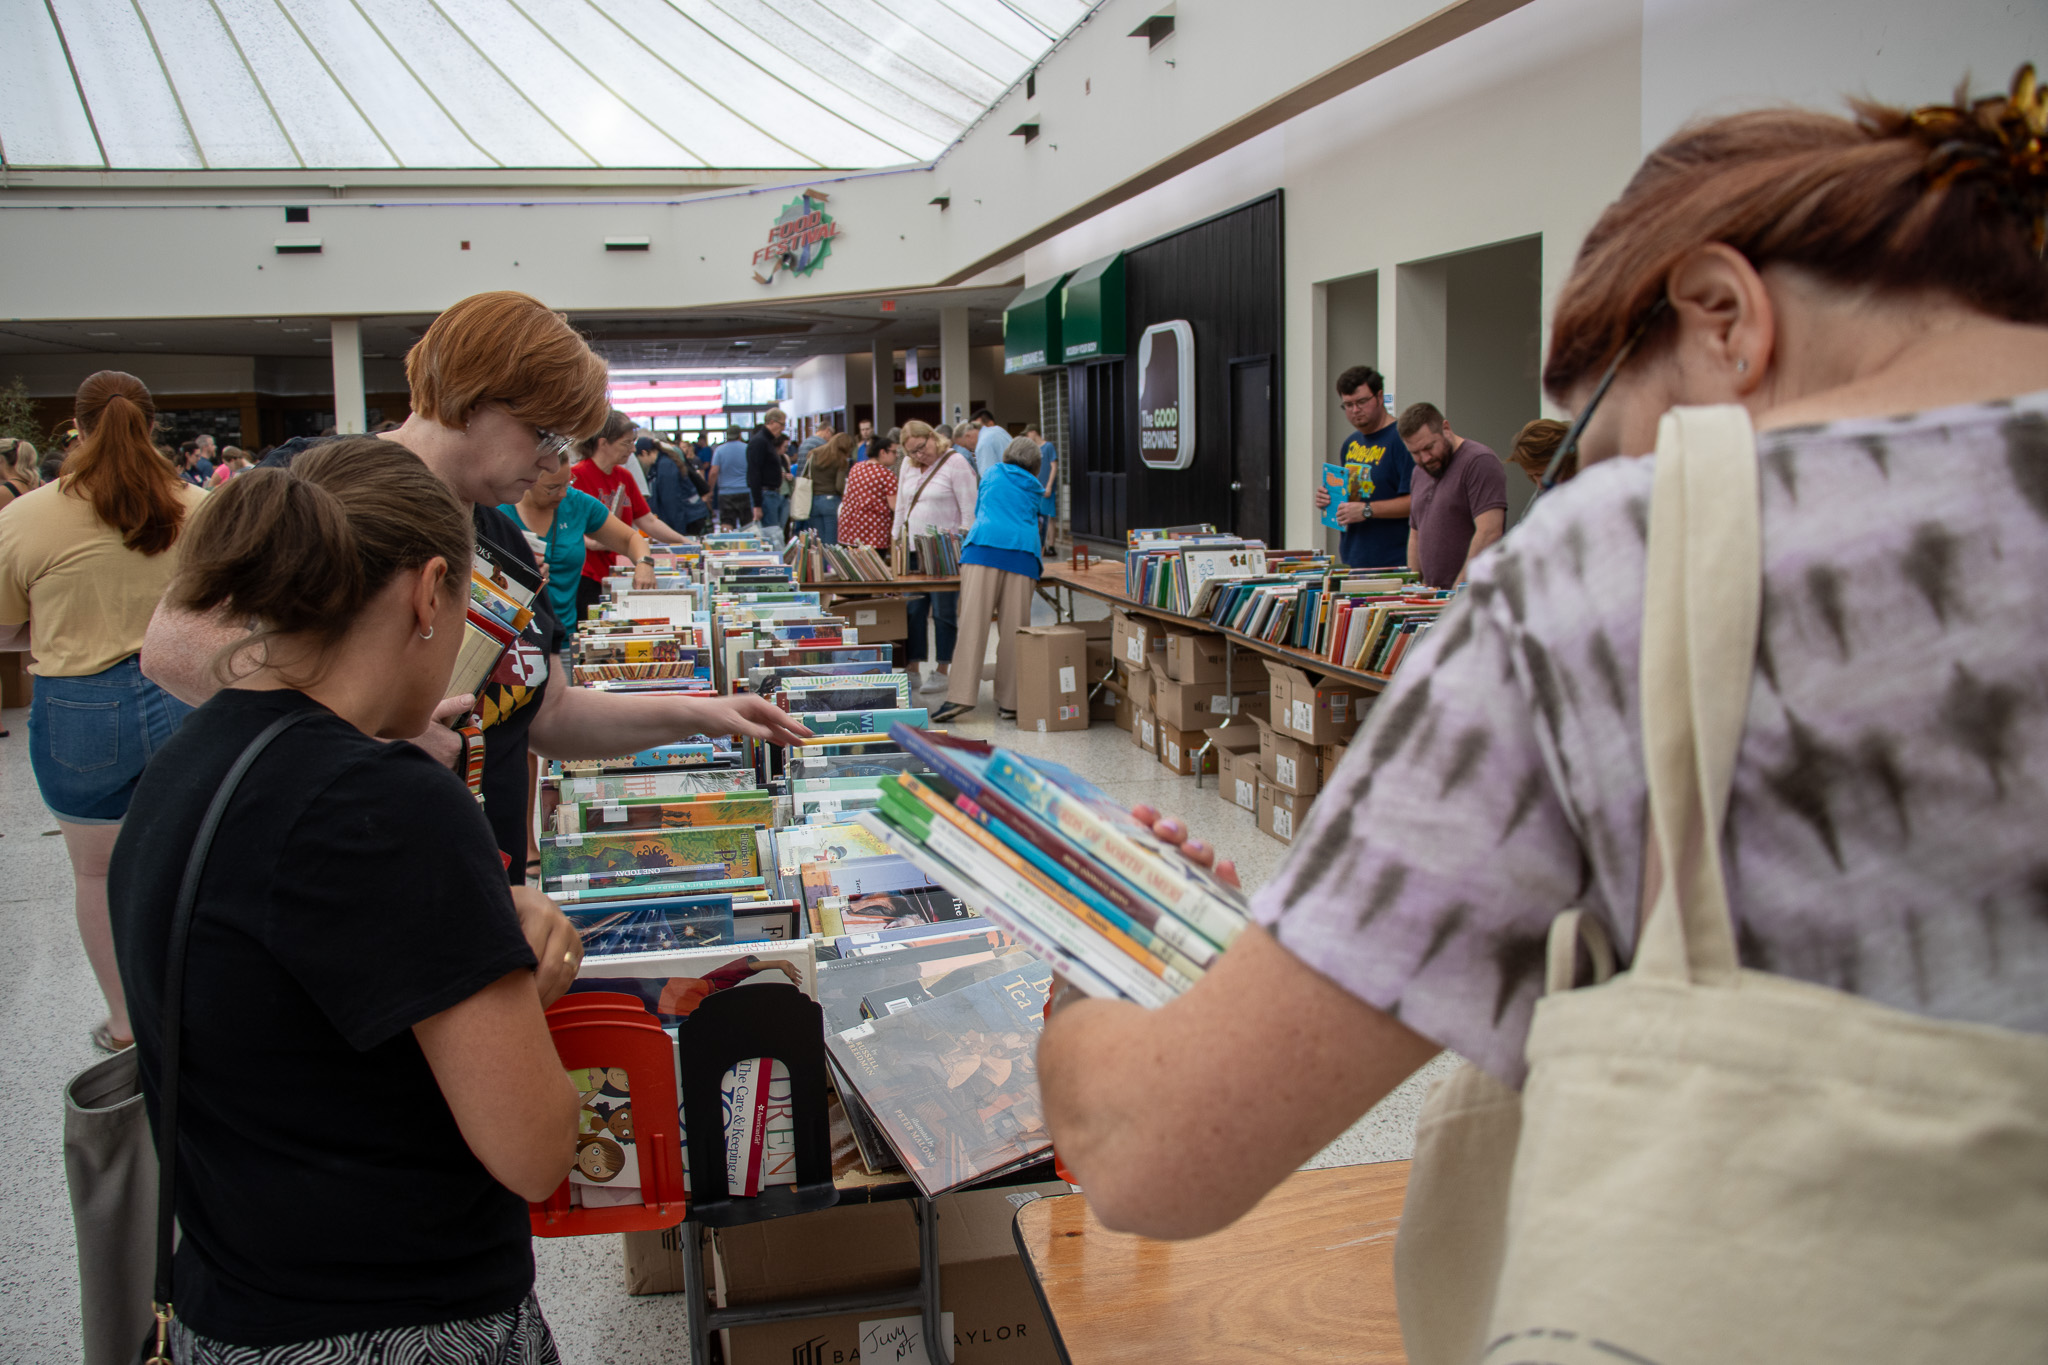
(1742, 366)
(429, 634)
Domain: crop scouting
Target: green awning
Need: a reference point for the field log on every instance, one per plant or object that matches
(1031, 328)
(1092, 308)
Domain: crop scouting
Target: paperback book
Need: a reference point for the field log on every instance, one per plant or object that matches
(953, 1082)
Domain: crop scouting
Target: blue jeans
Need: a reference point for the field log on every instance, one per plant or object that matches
(825, 517)
(90, 737)
(944, 610)
(774, 509)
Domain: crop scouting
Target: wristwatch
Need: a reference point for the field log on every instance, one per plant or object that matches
(1368, 508)
(648, 560)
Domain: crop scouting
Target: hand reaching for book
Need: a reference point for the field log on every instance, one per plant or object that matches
(1174, 831)
(557, 947)
(755, 717)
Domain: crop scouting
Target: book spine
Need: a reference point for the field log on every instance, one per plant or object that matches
(1187, 899)
(757, 1134)
(1133, 940)
(975, 897)
(1173, 942)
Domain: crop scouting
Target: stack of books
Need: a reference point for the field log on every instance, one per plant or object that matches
(1039, 850)
(815, 561)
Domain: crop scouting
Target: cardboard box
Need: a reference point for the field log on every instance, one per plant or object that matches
(1052, 678)
(1237, 764)
(17, 684)
(654, 1261)
(1281, 812)
(1288, 763)
(1308, 706)
(1198, 705)
(1135, 641)
(1098, 658)
(1178, 748)
(1116, 702)
(983, 1287)
(1145, 730)
(1195, 658)
(1137, 684)
(1332, 755)
(876, 618)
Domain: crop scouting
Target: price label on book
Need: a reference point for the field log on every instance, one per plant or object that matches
(615, 815)
(571, 841)
(857, 1031)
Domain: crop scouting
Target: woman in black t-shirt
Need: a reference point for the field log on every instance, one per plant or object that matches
(369, 1092)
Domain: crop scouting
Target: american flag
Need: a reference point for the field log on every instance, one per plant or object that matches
(670, 398)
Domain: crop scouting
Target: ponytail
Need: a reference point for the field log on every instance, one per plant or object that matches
(116, 466)
(302, 550)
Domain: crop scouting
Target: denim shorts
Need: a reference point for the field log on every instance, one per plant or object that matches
(89, 738)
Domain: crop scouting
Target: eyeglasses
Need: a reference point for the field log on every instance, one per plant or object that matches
(1568, 448)
(549, 444)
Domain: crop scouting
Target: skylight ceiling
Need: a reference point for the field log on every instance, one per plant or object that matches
(516, 84)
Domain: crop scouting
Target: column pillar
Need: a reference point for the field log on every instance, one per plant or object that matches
(351, 414)
(885, 385)
(953, 377)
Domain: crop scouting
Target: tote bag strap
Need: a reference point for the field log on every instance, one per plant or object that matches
(174, 1006)
(1700, 616)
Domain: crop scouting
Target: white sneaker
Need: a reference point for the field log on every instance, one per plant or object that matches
(935, 684)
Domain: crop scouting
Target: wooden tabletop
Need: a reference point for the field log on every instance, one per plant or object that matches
(1307, 1276)
(1105, 579)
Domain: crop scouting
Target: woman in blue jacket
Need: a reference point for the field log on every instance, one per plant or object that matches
(999, 566)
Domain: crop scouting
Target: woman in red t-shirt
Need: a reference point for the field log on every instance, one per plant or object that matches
(869, 506)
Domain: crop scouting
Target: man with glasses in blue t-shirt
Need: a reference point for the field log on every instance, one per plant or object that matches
(1378, 472)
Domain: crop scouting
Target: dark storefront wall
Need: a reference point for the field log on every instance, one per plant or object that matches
(1223, 277)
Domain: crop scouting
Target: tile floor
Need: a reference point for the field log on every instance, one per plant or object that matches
(48, 1004)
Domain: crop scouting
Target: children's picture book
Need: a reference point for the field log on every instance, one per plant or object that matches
(673, 984)
(755, 807)
(805, 766)
(860, 876)
(907, 992)
(934, 951)
(605, 1155)
(953, 1082)
(659, 783)
(1337, 483)
(800, 844)
(860, 692)
(868, 722)
(720, 853)
(661, 924)
(897, 909)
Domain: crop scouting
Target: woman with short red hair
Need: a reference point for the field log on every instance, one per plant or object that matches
(1868, 297)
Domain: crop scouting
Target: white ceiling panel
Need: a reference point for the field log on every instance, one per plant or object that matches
(226, 85)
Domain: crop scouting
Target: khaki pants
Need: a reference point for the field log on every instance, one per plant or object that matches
(985, 593)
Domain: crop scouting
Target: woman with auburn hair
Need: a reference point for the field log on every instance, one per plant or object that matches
(1870, 297)
(83, 562)
(1535, 444)
(502, 389)
(334, 1036)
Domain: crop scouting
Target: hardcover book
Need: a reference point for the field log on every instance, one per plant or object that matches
(717, 853)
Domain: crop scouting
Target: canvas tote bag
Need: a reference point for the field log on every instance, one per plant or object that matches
(1709, 1163)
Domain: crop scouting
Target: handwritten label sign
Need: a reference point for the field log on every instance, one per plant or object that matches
(898, 1341)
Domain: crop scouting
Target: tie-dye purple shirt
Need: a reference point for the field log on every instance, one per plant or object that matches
(1887, 833)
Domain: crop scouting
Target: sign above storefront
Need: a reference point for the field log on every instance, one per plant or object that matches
(799, 240)
(1031, 328)
(1166, 395)
(1092, 311)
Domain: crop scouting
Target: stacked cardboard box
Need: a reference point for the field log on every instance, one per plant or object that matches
(1301, 741)
(983, 1288)
(876, 618)
(1052, 678)
(1237, 765)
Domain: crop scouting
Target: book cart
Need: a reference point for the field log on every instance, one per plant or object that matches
(673, 640)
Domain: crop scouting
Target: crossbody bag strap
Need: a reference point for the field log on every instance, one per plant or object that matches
(1701, 609)
(924, 483)
(173, 1018)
